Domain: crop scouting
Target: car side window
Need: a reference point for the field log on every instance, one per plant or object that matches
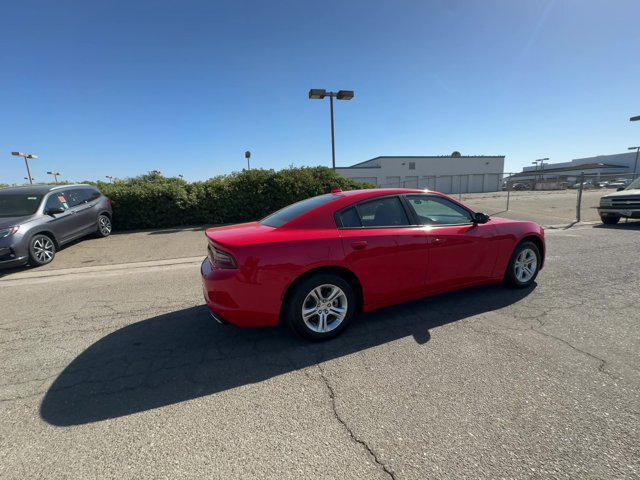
(349, 218)
(434, 210)
(78, 196)
(382, 212)
(55, 201)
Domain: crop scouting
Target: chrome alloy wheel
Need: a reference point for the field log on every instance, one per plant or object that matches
(43, 249)
(324, 308)
(104, 224)
(526, 265)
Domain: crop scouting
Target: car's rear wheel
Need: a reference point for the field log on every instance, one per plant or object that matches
(524, 265)
(42, 250)
(321, 306)
(610, 219)
(104, 226)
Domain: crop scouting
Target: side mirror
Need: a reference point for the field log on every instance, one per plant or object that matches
(55, 210)
(480, 217)
(619, 189)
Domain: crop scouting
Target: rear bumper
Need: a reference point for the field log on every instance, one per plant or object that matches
(231, 299)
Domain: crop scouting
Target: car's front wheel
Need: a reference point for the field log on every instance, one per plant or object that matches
(104, 226)
(321, 306)
(610, 219)
(42, 250)
(524, 265)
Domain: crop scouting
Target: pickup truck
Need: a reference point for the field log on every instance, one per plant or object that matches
(623, 203)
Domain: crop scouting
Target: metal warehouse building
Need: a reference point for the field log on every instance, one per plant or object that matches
(453, 173)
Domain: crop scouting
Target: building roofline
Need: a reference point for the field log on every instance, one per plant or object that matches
(357, 165)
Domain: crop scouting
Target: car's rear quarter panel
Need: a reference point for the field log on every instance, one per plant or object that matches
(252, 294)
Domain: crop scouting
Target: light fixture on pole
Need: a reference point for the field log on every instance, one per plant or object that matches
(109, 177)
(319, 94)
(541, 162)
(55, 176)
(634, 119)
(26, 156)
(635, 165)
(31, 179)
(247, 155)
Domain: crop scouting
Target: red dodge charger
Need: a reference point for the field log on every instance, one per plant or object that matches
(318, 262)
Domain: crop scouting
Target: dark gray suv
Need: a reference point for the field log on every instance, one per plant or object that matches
(35, 221)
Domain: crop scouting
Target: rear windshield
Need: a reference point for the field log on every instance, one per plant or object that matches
(287, 214)
(18, 204)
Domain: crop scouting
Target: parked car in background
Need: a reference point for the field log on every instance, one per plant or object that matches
(35, 221)
(623, 203)
(520, 186)
(314, 264)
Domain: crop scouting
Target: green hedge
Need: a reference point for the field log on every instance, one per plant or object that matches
(153, 201)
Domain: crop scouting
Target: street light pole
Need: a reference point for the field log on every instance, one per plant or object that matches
(318, 94)
(110, 178)
(333, 140)
(635, 165)
(26, 162)
(55, 176)
(247, 155)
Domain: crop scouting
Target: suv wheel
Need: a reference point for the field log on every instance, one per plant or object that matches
(42, 250)
(321, 307)
(610, 219)
(104, 226)
(524, 265)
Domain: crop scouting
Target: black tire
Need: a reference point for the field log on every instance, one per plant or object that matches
(42, 250)
(105, 226)
(610, 219)
(512, 277)
(300, 294)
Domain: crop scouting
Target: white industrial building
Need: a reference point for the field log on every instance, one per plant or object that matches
(453, 173)
(616, 164)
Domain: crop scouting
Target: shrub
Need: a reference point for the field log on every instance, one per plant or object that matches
(153, 201)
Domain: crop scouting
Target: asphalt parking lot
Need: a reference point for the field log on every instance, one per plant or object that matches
(113, 369)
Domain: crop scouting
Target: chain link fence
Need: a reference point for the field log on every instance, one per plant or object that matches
(559, 200)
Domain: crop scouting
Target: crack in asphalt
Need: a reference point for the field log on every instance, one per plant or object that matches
(602, 361)
(354, 437)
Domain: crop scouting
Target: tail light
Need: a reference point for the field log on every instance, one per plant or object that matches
(109, 201)
(220, 259)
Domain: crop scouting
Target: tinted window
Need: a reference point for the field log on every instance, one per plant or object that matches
(56, 200)
(18, 204)
(349, 218)
(287, 214)
(432, 210)
(383, 212)
(76, 196)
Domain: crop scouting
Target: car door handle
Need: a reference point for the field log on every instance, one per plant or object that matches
(359, 245)
(438, 240)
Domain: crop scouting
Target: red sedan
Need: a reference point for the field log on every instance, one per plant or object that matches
(318, 262)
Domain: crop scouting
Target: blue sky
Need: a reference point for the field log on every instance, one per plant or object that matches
(123, 87)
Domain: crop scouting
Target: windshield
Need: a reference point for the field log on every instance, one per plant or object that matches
(287, 214)
(635, 184)
(18, 204)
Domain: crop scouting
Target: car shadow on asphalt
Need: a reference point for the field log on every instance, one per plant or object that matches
(184, 355)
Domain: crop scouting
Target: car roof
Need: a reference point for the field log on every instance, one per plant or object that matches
(377, 192)
(40, 189)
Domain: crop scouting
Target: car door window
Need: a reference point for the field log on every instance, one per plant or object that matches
(55, 201)
(78, 196)
(434, 210)
(382, 212)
